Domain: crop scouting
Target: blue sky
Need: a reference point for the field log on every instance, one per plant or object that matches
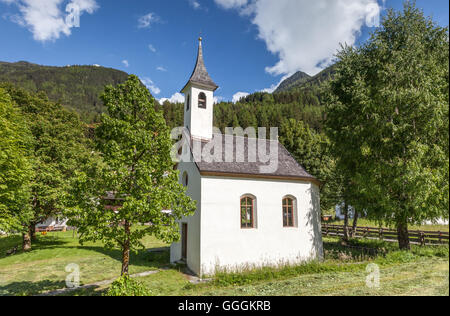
(249, 45)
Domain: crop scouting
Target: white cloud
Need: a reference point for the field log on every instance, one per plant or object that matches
(126, 63)
(305, 34)
(275, 86)
(176, 98)
(239, 95)
(151, 86)
(45, 18)
(179, 98)
(218, 99)
(195, 4)
(161, 68)
(228, 4)
(152, 48)
(148, 20)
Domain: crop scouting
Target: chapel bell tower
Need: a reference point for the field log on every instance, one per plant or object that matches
(199, 100)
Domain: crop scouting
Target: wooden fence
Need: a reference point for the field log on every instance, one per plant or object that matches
(415, 236)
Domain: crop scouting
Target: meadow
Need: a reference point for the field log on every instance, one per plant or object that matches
(423, 271)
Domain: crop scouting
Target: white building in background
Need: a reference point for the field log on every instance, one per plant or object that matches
(340, 214)
(53, 223)
(245, 217)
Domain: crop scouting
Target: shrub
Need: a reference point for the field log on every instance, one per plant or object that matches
(126, 286)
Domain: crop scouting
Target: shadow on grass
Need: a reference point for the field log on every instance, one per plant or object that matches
(152, 260)
(91, 291)
(40, 243)
(9, 242)
(354, 250)
(147, 257)
(30, 288)
(141, 258)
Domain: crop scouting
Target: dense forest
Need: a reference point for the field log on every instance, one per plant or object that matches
(79, 88)
(75, 87)
(300, 98)
(258, 110)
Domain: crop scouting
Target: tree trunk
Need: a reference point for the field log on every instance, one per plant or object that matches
(126, 250)
(26, 241)
(346, 236)
(403, 235)
(355, 224)
(32, 229)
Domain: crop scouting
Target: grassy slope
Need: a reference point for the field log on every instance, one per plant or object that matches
(423, 272)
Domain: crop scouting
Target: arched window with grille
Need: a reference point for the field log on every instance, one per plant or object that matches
(202, 100)
(289, 211)
(248, 212)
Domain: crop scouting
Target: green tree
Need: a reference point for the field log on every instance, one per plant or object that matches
(137, 171)
(59, 148)
(388, 117)
(15, 166)
(311, 150)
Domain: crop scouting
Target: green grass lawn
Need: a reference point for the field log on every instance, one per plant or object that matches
(424, 271)
(362, 222)
(422, 277)
(43, 269)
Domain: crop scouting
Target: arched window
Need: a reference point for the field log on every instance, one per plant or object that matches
(202, 100)
(289, 212)
(185, 179)
(188, 103)
(248, 212)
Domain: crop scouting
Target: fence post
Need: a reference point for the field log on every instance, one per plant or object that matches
(440, 237)
(422, 239)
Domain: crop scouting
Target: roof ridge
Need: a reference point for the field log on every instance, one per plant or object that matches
(246, 137)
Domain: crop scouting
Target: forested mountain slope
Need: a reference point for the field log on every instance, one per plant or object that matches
(300, 80)
(75, 87)
(79, 87)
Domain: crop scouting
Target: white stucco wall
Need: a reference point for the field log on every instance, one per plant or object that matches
(193, 222)
(199, 121)
(224, 244)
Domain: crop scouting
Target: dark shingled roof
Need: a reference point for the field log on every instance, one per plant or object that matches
(288, 167)
(200, 74)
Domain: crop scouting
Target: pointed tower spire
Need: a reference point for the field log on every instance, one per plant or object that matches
(200, 75)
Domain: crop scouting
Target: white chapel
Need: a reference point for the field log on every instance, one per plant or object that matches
(247, 215)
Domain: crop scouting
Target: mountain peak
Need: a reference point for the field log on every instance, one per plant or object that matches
(296, 79)
(303, 80)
